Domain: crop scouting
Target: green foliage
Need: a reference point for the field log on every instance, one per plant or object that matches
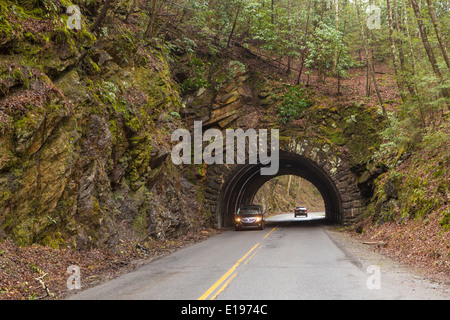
(438, 141)
(175, 114)
(445, 221)
(252, 21)
(197, 79)
(324, 48)
(294, 104)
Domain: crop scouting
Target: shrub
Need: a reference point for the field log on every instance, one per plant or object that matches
(294, 103)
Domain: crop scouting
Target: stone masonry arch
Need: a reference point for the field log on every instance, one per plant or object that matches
(229, 186)
(245, 101)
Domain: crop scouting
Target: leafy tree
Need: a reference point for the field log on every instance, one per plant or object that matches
(328, 52)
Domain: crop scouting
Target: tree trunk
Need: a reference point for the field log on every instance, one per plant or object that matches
(413, 68)
(369, 61)
(152, 17)
(339, 85)
(337, 62)
(271, 18)
(324, 4)
(423, 34)
(398, 38)
(395, 60)
(336, 26)
(405, 74)
(102, 15)
(289, 185)
(234, 26)
(289, 37)
(367, 78)
(304, 43)
(438, 32)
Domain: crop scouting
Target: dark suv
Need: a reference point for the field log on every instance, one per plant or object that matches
(249, 216)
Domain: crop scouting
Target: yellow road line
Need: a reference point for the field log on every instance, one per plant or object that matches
(222, 279)
(227, 274)
(270, 232)
(224, 286)
(250, 258)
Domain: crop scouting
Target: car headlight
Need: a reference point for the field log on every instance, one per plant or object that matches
(258, 219)
(238, 219)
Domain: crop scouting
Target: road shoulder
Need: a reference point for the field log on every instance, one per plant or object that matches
(416, 283)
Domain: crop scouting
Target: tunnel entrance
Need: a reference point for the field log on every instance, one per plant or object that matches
(243, 183)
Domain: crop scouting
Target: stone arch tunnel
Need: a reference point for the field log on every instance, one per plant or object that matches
(228, 187)
(243, 184)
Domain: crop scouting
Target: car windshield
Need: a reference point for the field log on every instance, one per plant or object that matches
(248, 210)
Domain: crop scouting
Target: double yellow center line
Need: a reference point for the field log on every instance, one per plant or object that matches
(227, 274)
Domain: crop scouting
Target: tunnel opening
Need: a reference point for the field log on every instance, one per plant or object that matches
(243, 183)
(284, 193)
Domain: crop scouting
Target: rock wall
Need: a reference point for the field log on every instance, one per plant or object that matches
(85, 127)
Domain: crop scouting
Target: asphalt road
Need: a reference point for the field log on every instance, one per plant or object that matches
(293, 258)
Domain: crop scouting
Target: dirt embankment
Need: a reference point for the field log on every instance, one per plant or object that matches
(40, 272)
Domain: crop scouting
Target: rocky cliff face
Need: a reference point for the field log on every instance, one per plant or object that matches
(85, 124)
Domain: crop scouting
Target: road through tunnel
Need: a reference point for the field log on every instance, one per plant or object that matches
(243, 183)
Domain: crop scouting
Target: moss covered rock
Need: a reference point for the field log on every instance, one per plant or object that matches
(85, 129)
